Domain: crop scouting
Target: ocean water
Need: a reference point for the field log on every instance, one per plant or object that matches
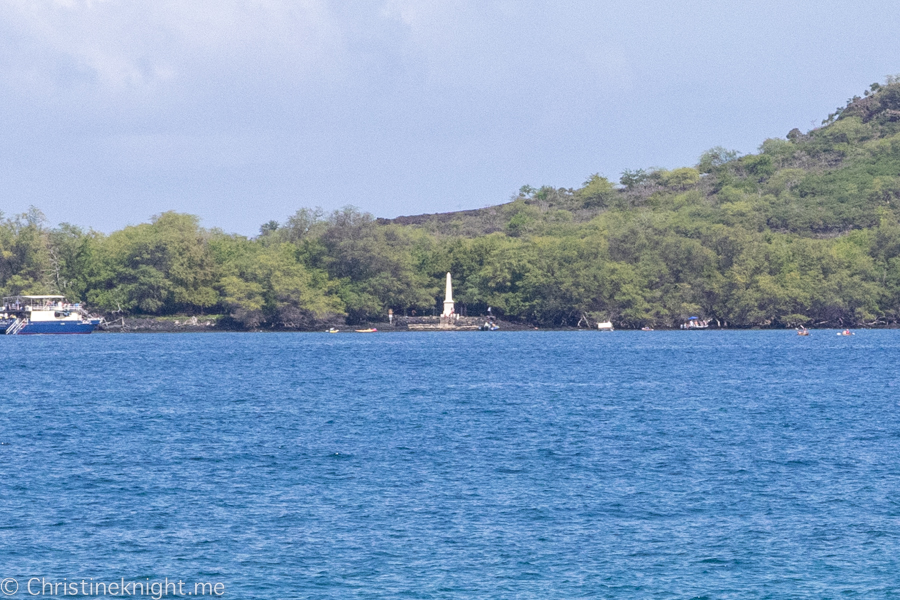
(750, 464)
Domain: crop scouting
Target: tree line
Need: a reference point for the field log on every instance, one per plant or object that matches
(804, 232)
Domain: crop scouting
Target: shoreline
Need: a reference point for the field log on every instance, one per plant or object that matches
(214, 325)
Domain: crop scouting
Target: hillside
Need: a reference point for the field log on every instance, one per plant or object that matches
(806, 231)
(830, 180)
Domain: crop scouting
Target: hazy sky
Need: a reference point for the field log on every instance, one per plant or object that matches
(242, 111)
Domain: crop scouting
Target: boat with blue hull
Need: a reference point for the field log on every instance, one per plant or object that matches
(39, 315)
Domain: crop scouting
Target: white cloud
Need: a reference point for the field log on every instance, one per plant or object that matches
(116, 46)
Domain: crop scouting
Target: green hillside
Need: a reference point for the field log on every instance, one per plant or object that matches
(806, 231)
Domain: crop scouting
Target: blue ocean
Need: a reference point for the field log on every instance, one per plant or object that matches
(745, 464)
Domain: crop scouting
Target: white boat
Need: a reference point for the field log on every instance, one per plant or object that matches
(605, 326)
(33, 315)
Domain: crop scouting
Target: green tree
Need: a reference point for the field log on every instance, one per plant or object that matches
(682, 178)
(716, 157)
(633, 178)
(157, 268)
(596, 192)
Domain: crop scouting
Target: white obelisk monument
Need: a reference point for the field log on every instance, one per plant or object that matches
(448, 299)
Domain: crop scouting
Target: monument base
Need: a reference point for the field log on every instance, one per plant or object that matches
(442, 323)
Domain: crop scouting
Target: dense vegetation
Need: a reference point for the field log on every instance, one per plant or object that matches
(807, 231)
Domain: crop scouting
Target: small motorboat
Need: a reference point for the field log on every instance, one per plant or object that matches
(646, 329)
(695, 324)
(369, 330)
(803, 331)
(332, 330)
(846, 332)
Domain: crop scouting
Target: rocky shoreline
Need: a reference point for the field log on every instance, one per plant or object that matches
(212, 324)
(158, 325)
(220, 324)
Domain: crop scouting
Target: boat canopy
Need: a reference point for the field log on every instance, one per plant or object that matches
(47, 302)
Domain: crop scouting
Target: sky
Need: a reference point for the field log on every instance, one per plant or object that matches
(244, 111)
